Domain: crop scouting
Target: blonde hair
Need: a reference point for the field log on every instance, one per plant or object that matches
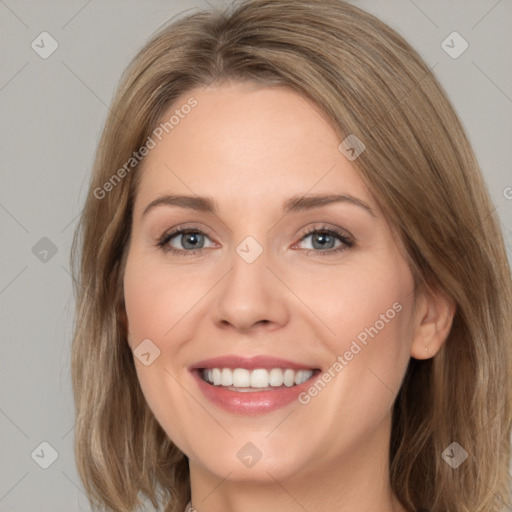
(421, 169)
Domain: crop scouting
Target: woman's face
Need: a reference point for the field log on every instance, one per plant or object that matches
(267, 279)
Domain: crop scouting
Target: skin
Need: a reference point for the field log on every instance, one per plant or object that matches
(250, 148)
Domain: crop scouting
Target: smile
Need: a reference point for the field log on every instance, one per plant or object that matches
(252, 385)
(259, 379)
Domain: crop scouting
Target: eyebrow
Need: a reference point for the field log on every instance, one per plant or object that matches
(294, 204)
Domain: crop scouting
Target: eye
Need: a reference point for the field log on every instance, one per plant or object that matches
(323, 239)
(191, 239)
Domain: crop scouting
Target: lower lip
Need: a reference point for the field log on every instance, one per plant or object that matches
(251, 402)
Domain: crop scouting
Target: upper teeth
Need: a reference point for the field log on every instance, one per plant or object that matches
(259, 378)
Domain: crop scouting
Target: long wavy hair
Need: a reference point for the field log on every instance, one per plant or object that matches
(422, 171)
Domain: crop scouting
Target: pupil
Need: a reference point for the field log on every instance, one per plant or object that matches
(188, 237)
(323, 237)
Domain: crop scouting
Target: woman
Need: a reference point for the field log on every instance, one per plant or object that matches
(293, 291)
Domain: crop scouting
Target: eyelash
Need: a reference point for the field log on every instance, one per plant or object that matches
(347, 242)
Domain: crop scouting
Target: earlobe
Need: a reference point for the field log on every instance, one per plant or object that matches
(432, 324)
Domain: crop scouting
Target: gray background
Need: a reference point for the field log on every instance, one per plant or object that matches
(52, 112)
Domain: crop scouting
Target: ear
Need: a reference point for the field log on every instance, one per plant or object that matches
(433, 320)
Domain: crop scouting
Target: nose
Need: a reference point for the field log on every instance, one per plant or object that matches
(251, 296)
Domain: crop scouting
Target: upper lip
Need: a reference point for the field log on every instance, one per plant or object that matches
(250, 363)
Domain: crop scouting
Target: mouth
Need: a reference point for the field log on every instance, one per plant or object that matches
(255, 385)
(260, 379)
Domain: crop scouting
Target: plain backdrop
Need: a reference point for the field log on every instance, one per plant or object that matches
(52, 113)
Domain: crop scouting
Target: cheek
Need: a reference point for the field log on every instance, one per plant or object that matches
(369, 313)
(154, 304)
(157, 300)
(370, 348)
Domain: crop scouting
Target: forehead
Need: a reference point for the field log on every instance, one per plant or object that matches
(249, 141)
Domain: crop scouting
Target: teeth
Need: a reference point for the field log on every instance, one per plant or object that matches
(289, 378)
(226, 377)
(216, 377)
(241, 378)
(276, 377)
(259, 378)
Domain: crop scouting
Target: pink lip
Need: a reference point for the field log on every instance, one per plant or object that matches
(253, 402)
(250, 363)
